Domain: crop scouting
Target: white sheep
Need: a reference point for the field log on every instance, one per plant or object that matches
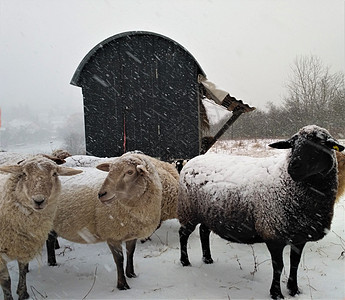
(341, 175)
(117, 207)
(285, 200)
(28, 201)
(167, 172)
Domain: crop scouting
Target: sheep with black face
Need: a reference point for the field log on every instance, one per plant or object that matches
(282, 200)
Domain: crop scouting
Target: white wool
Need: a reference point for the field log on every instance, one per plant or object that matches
(167, 173)
(91, 177)
(24, 228)
(87, 236)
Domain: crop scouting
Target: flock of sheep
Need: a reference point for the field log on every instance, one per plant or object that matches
(282, 200)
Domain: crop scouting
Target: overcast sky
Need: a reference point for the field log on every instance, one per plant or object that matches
(245, 47)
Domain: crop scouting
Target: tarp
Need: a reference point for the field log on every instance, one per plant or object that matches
(222, 97)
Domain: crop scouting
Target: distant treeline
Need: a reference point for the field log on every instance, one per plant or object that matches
(314, 96)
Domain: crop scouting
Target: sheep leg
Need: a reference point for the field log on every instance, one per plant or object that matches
(295, 257)
(57, 245)
(116, 250)
(184, 232)
(205, 244)
(276, 251)
(130, 246)
(5, 281)
(51, 246)
(22, 289)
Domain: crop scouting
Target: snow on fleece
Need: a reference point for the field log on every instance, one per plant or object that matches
(216, 170)
(261, 191)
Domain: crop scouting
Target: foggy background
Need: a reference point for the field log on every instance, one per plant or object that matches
(246, 47)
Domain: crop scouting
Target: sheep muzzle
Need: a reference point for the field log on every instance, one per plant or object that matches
(39, 202)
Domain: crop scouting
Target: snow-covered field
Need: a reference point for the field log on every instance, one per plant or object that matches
(239, 271)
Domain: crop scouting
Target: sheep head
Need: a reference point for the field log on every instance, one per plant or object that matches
(128, 178)
(36, 180)
(311, 152)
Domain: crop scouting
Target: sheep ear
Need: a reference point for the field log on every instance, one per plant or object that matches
(104, 167)
(58, 161)
(11, 169)
(333, 144)
(142, 170)
(281, 145)
(64, 171)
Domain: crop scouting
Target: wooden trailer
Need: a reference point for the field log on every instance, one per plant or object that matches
(143, 91)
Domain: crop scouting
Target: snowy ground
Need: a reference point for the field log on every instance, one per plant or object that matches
(239, 271)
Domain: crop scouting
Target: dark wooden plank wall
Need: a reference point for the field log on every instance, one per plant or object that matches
(144, 88)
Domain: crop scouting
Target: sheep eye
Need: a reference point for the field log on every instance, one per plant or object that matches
(130, 172)
(55, 174)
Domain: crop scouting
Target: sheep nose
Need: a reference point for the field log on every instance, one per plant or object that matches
(38, 198)
(100, 195)
(39, 202)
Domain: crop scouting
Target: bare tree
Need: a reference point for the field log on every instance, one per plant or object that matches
(74, 136)
(313, 91)
(315, 95)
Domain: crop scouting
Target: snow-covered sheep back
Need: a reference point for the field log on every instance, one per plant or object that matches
(281, 200)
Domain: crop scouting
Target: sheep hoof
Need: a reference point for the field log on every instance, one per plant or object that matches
(23, 296)
(207, 260)
(123, 286)
(294, 292)
(185, 263)
(293, 288)
(277, 295)
(145, 240)
(8, 297)
(131, 275)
